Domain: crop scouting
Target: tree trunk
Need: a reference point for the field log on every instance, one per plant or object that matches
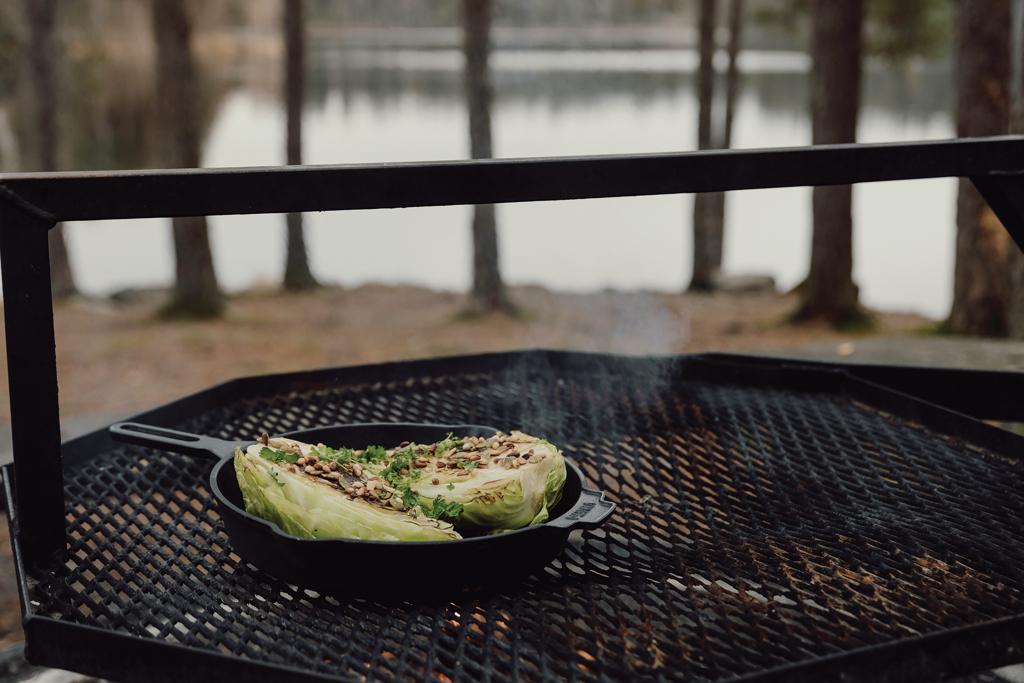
(488, 289)
(196, 293)
(981, 281)
(714, 219)
(732, 75)
(707, 237)
(836, 44)
(43, 57)
(297, 275)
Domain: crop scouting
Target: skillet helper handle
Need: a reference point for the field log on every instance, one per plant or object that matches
(590, 510)
(173, 440)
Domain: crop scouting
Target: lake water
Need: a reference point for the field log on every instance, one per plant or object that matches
(372, 106)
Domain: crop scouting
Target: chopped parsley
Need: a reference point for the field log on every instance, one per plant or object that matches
(449, 443)
(442, 509)
(274, 455)
(374, 454)
(392, 474)
(338, 455)
(408, 497)
(468, 464)
(450, 486)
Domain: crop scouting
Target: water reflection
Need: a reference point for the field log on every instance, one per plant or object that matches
(366, 106)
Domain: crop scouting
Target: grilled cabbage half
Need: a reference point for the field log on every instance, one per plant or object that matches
(416, 492)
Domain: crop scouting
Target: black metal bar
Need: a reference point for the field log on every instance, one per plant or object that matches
(87, 650)
(17, 550)
(32, 375)
(1004, 193)
(995, 164)
(183, 192)
(983, 394)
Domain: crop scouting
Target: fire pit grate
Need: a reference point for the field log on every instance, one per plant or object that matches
(771, 520)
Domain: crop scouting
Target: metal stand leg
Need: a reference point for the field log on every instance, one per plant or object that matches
(32, 376)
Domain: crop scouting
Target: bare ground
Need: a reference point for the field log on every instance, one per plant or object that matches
(118, 359)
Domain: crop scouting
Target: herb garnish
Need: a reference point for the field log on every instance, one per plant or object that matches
(374, 454)
(450, 486)
(392, 474)
(468, 464)
(408, 497)
(338, 455)
(442, 509)
(447, 444)
(278, 456)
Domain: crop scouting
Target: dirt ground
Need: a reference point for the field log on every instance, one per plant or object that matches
(116, 359)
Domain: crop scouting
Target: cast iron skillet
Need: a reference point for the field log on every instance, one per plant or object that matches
(374, 567)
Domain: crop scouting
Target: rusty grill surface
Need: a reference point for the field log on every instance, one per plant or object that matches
(763, 520)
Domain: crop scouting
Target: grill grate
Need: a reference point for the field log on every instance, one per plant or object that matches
(757, 526)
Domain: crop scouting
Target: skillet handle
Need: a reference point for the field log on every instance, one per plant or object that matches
(173, 440)
(590, 510)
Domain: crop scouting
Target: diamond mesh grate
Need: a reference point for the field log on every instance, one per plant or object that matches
(757, 526)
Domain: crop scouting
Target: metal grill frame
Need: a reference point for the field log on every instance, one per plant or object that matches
(31, 204)
(956, 651)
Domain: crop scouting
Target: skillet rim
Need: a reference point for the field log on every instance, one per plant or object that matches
(222, 499)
